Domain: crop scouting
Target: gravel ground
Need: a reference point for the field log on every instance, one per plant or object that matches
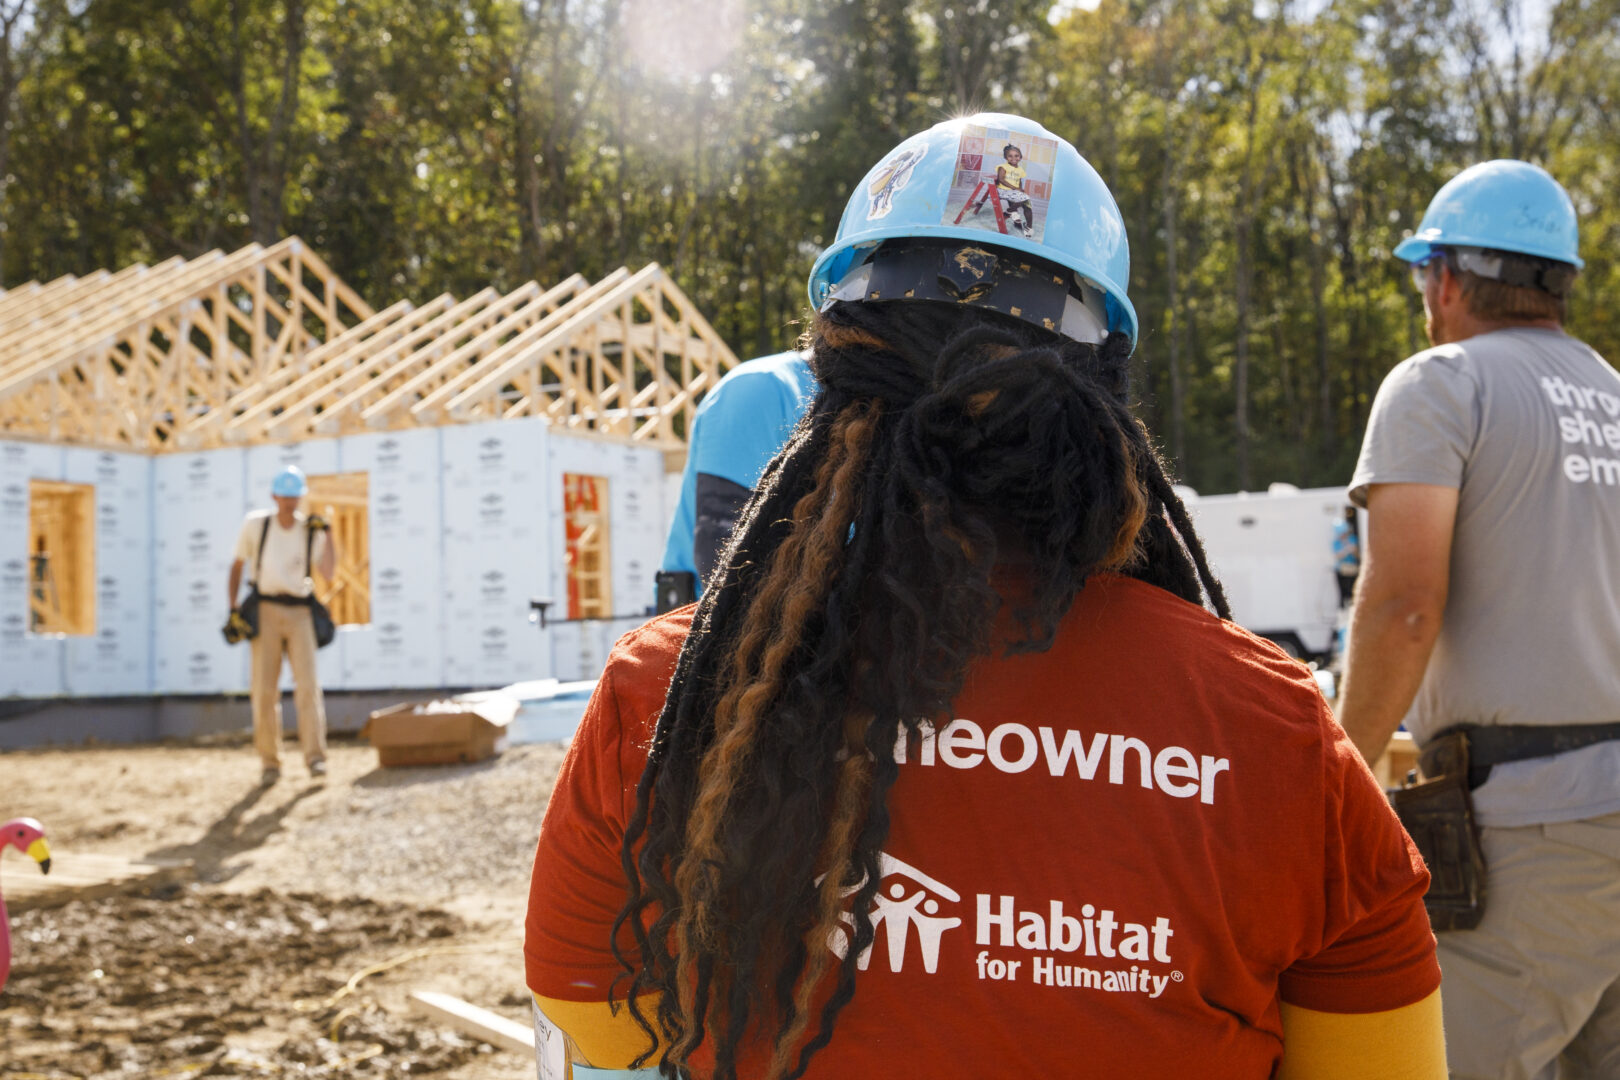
(445, 851)
(431, 834)
(216, 984)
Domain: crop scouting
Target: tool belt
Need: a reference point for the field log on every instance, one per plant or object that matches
(320, 617)
(1439, 812)
(244, 621)
(1439, 816)
(1488, 746)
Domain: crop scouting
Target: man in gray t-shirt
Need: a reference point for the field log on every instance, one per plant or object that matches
(1490, 596)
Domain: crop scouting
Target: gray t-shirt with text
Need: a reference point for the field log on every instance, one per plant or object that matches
(1525, 423)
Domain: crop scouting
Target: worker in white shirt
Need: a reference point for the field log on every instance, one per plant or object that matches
(282, 546)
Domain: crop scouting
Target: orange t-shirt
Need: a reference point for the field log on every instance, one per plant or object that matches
(1115, 860)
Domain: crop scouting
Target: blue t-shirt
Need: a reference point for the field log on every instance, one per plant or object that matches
(1346, 549)
(739, 427)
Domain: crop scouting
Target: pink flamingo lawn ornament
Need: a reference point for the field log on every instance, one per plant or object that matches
(27, 836)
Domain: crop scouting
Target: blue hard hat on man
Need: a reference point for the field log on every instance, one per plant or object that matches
(1486, 456)
(289, 483)
(1503, 205)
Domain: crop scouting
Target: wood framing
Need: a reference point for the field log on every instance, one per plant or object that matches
(61, 558)
(267, 345)
(590, 586)
(136, 358)
(342, 499)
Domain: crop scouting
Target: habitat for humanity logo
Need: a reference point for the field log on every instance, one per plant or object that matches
(1035, 946)
(896, 909)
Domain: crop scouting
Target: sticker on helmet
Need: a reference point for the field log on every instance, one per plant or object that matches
(890, 177)
(1003, 182)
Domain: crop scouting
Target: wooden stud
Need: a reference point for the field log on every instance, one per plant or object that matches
(470, 1020)
(61, 558)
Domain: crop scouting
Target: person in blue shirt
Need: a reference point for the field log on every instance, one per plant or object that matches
(739, 427)
(1347, 554)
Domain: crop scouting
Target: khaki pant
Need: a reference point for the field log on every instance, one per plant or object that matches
(284, 628)
(1533, 993)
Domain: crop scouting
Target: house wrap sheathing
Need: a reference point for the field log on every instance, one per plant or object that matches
(473, 453)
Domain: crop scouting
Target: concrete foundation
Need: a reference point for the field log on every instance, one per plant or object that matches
(70, 721)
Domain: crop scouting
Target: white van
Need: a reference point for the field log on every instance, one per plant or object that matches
(1273, 552)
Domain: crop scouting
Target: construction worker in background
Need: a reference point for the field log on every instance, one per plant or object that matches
(281, 546)
(954, 727)
(1487, 619)
(740, 425)
(1347, 554)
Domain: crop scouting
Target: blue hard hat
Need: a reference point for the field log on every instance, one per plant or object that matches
(936, 185)
(1504, 205)
(289, 482)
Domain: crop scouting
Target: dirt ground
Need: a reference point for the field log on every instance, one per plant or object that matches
(301, 885)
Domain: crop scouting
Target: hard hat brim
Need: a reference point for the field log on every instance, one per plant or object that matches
(1413, 250)
(841, 257)
(1421, 244)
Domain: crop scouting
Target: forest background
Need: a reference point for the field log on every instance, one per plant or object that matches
(1267, 155)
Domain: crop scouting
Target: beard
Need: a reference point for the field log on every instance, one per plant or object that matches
(1435, 325)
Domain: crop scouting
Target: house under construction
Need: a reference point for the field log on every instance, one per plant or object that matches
(472, 453)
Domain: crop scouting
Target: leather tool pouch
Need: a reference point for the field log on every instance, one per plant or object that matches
(249, 611)
(1439, 815)
(325, 629)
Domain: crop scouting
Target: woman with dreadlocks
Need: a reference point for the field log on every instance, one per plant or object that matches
(959, 768)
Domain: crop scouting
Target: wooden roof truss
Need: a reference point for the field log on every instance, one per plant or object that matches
(268, 345)
(136, 358)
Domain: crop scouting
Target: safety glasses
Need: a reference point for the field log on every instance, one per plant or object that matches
(1420, 272)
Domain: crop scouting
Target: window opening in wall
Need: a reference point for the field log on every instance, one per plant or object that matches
(61, 558)
(585, 506)
(343, 500)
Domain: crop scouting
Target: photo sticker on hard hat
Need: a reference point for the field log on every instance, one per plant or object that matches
(890, 177)
(1003, 182)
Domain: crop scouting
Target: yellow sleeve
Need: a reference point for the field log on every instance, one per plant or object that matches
(1401, 1044)
(606, 1040)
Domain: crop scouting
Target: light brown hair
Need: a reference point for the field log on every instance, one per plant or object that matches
(1497, 301)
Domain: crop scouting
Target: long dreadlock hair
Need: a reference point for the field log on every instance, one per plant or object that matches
(854, 595)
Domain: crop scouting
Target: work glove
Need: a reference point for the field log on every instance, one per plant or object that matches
(318, 523)
(236, 627)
